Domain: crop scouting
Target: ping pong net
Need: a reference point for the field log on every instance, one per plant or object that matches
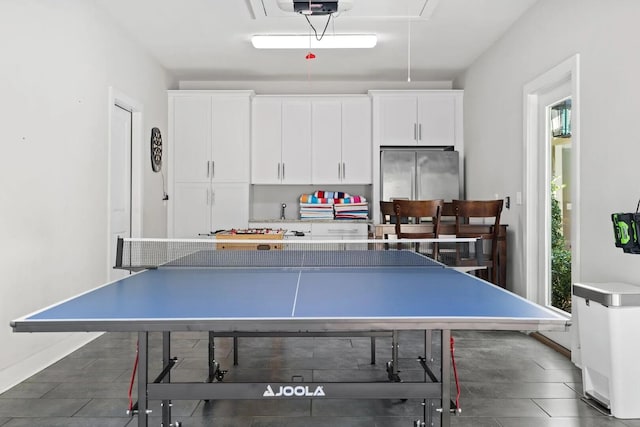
(144, 253)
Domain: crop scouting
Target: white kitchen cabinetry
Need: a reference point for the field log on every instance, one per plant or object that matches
(281, 141)
(208, 152)
(419, 118)
(428, 118)
(211, 138)
(341, 231)
(329, 230)
(341, 141)
(201, 209)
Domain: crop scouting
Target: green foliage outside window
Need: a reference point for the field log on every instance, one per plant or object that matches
(560, 258)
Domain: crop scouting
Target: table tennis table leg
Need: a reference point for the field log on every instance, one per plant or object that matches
(143, 366)
(215, 373)
(428, 346)
(166, 361)
(392, 367)
(445, 378)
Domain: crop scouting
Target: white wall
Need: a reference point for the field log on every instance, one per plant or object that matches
(606, 35)
(58, 61)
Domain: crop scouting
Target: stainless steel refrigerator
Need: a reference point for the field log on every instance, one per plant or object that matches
(420, 174)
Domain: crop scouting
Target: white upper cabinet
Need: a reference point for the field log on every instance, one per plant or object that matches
(326, 142)
(266, 140)
(356, 141)
(341, 141)
(429, 118)
(231, 139)
(281, 141)
(296, 141)
(191, 141)
(211, 137)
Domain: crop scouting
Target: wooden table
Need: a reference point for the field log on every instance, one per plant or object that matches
(449, 228)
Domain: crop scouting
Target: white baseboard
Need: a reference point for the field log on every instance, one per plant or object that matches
(33, 364)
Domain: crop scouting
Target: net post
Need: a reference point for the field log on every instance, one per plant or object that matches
(119, 248)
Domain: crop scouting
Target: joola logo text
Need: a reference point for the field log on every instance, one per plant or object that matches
(297, 391)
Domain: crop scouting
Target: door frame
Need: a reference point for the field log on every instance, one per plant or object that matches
(535, 249)
(118, 98)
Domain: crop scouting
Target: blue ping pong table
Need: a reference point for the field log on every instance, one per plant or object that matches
(396, 290)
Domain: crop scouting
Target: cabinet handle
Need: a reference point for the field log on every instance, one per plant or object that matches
(213, 197)
(283, 171)
(213, 168)
(344, 171)
(278, 170)
(420, 132)
(415, 131)
(208, 204)
(208, 168)
(339, 170)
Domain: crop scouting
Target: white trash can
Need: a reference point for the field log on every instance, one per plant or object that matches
(609, 331)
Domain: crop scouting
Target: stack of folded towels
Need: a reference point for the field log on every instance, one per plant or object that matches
(324, 204)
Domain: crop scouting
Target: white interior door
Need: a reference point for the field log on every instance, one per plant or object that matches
(558, 83)
(545, 177)
(120, 181)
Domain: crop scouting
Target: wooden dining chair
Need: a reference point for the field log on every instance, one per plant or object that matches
(416, 211)
(387, 211)
(468, 211)
(388, 214)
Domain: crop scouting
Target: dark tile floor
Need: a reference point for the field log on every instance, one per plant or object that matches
(508, 379)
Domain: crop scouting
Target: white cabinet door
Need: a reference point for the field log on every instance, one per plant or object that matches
(326, 142)
(339, 230)
(266, 141)
(191, 138)
(398, 120)
(436, 119)
(296, 141)
(192, 212)
(230, 138)
(229, 206)
(204, 208)
(356, 141)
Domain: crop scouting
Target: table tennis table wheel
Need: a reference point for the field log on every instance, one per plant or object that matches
(393, 376)
(220, 374)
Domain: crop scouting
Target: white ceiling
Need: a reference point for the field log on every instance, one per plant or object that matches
(210, 39)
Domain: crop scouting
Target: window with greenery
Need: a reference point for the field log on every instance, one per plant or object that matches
(560, 258)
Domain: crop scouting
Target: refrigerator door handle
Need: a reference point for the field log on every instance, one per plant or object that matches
(413, 187)
(417, 193)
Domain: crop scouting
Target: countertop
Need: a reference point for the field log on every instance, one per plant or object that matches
(303, 221)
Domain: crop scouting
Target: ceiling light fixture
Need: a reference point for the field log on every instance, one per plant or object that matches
(303, 41)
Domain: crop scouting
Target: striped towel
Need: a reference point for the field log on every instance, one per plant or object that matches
(351, 199)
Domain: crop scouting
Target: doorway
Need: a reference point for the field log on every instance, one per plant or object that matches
(552, 209)
(125, 174)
